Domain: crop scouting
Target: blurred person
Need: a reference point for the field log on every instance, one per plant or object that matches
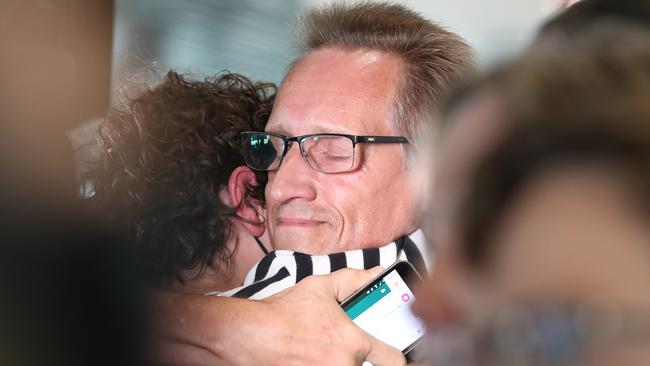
(475, 130)
(542, 235)
(37, 163)
(371, 74)
(584, 14)
(69, 294)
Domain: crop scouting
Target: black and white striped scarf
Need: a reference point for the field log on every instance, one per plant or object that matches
(281, 269)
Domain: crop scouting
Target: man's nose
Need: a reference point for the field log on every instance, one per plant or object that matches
(294, 179)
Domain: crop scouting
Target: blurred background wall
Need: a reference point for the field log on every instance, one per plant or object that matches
(254, 37)
(251, 37)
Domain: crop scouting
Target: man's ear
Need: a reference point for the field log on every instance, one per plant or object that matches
(249, 212)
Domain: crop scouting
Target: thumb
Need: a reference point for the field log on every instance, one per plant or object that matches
(381, 354)
(346, 281)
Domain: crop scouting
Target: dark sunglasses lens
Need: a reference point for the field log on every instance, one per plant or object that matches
(262, 151)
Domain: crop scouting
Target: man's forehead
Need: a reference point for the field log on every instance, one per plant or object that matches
(336, 91)
(305, 114)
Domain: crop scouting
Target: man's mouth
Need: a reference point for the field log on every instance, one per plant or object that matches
(296, 221)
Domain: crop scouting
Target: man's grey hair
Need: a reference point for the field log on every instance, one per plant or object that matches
(433, 58)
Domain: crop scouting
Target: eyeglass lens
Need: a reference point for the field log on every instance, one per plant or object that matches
(329, 154)
(262, 151)
(325, 153)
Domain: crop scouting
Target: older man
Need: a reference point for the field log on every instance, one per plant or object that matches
(369, 79)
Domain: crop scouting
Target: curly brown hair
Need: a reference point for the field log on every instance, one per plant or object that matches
(166, 155)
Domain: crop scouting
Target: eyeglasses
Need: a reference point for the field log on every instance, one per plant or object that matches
(325, 152)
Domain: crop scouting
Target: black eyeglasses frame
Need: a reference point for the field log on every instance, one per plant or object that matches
(356, 139)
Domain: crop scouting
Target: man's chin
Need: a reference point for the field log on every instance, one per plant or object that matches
(305, 241)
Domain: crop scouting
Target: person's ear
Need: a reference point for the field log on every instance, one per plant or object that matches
(249, 212)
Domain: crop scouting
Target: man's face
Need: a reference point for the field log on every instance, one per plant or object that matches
(348, 92)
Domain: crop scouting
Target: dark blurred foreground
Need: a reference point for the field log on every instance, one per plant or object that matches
(68, 292)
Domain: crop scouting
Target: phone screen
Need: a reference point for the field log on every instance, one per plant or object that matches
(384, 311)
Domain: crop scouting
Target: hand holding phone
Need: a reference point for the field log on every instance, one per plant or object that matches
(383, 307)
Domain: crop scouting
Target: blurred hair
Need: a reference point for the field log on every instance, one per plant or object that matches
(166, 155)
(583, 100)
(586, 13)
(433, 58)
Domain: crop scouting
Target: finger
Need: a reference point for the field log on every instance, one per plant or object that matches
(381, 354)
(346, 281)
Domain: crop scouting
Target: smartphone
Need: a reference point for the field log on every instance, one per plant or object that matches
(383, 307)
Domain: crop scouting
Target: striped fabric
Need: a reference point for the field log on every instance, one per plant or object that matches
(281, 269)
